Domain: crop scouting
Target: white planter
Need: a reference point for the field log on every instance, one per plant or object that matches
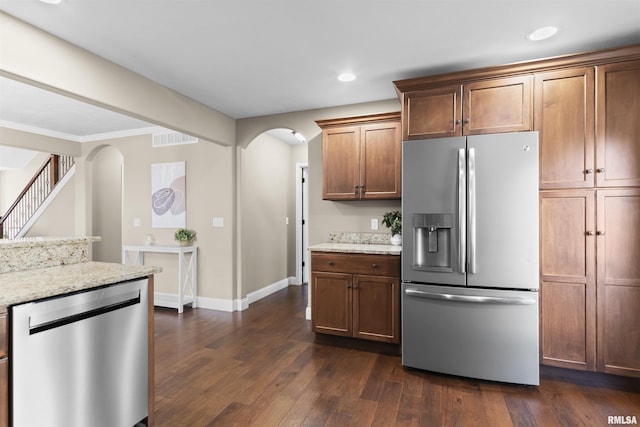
(396, 239)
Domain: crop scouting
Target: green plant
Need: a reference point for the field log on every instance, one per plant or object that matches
(393, 220)
(184, 235)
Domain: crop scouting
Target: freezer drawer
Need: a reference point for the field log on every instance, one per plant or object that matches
(477, 333)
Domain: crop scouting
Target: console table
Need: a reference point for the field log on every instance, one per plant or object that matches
(187, 267)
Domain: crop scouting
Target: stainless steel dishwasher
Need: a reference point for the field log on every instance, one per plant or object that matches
(81, 359)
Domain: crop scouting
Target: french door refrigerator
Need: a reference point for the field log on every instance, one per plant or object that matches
(470, 256)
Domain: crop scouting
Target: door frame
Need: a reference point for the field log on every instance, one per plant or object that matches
(302, 232)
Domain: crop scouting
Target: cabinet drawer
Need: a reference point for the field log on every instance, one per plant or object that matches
(3, 335)
(375, 265)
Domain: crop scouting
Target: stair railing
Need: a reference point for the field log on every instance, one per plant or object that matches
(34, 194)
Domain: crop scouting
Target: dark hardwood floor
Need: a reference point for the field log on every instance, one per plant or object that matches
(261, 367)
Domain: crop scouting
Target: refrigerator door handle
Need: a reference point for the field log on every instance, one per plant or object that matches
(462, 210)
(472, 210)
(469, 298)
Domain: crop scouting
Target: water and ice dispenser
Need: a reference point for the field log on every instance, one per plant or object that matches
(432, 236)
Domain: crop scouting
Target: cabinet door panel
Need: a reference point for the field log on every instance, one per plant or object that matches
(567, 270)
(4, 393)
(618, 249)
(620, 317)
(432, 113)
(376, 307)
(567, 337)
(381, 162)
(564, 117)
(500, 105)
(618, 124)
(331, 302)
(341, 163)
(566, 251)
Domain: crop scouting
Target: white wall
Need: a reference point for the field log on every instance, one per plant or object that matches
(107, 204)
(209, 179)
(265, 182)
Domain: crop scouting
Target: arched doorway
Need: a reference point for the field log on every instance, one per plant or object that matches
(268, 169)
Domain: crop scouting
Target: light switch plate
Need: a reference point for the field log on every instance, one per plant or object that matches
(136, 222)
(374, 223)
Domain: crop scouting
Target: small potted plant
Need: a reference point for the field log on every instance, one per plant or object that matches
(184, 236)
(393, 220)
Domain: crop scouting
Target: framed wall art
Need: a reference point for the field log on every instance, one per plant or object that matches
(168, 195)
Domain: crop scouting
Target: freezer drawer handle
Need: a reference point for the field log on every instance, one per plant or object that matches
(470, 298)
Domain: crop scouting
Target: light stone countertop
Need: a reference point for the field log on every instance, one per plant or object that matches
(31, 242)
(358, 248)
(30, 285)
(358, 243)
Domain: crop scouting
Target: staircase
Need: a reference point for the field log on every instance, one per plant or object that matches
(36, 195)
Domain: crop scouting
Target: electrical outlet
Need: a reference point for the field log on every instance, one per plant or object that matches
(374, 223)
(136, 222)
(218, 222)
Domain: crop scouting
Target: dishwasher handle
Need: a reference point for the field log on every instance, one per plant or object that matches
(44, 323)
(469, 298)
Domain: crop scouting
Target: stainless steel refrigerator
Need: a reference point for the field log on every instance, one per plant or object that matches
(470, 256)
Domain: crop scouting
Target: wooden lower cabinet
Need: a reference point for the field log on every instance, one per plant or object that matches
(590, 280)
(568, 281)
(4, 371)
(618, 279)
(355, 305)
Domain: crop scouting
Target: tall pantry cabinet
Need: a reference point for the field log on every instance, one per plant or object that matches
(588, 119)
(586, 108)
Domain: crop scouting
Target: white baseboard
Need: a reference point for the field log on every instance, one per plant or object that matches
(171, 300)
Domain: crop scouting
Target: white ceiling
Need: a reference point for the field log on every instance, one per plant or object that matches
(256, 57)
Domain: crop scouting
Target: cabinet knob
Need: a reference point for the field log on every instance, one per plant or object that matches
(331, 263)
(467, 120)
(348, 285)
(588, 171)
(374, 265)
(457, 121)
(600, 233)
(600, 170)
(355, 287)
(589, 233)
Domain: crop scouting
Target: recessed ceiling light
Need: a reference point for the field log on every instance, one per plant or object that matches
(51, 1)
(299, 136)
(542, 33)
(347, 77)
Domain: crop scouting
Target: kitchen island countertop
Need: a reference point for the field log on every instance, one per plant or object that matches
(30, 285)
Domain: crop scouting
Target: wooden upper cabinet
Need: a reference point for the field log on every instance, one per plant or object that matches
(433, 113)
(618, 124)
(381, 161)
(498, 105)
(341, 163)
(487, 106)
(564, 117)
(362, 157)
